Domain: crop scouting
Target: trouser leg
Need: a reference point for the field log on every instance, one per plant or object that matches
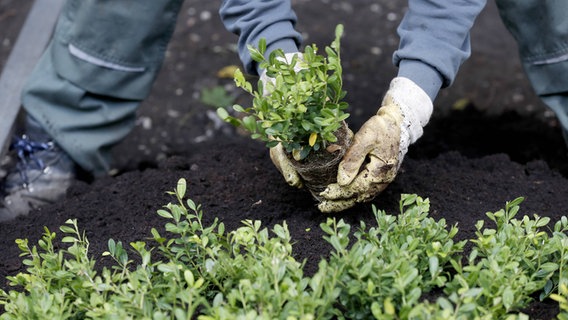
(100, 64)
(541, 32)
(559, 104)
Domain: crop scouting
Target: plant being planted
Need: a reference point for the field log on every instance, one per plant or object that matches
(301, 107)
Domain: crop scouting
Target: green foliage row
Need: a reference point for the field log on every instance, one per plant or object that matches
(197, 271)
(302, 107)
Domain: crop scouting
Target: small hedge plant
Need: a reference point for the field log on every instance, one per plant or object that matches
(198, 271)
(303, 107)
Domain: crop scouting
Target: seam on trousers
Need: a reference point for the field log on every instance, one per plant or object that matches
(557, 59)
(78, 53)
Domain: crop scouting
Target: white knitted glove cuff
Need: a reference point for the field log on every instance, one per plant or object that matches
(416, 108)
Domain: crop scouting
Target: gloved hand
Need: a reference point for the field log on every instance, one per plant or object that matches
(283, 164)
(377, 151)
(277, 154)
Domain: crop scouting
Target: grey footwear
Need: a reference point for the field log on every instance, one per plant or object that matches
(36, 172)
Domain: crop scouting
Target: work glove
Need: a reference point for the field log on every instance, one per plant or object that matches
(278, 154)
(373, 159)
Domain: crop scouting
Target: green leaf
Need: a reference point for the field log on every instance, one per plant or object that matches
(222, 113)
(165, 214)
(546, 269)
(389, 307)
(542, 222)
(191, 204)
(238, 108)
(255, 54)
(444, 303)
(409, 277)
(262, 46)
(508, 297)
(69, 239)
(216, 97)
(67, 229)
(188, 276)
(326, 227)
(515, 202)
(331, 55)
(146, 258)
(272, 144)
(111, 246)
(241, 82)
(181, 188)
(376, 310)
(433, 265)
(249, 123)
(473, 293)
(338, 34)
(280, 231)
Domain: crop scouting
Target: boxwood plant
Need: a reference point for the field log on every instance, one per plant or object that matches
(406, 266)
(302, 107)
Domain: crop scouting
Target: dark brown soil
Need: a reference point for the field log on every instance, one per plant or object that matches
(468, 162)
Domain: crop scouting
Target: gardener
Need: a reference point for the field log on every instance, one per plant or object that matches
(82, 96)
(434, 42)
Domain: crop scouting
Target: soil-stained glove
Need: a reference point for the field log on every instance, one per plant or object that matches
(283, 164)
(377, 151)
(277, 154)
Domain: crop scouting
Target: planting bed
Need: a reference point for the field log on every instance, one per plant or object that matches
(470, 160)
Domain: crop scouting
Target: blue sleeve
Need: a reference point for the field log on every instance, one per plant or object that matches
(435, 41)
(273, 20)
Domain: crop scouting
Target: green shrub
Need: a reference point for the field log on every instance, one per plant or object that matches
(303, 107)
(384, 271)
